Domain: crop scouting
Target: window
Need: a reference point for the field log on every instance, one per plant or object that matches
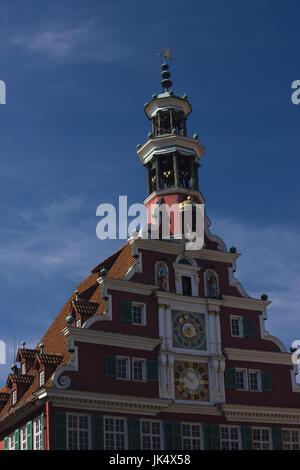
(186, 285)
(229, 438)
(37, 433)
(138, 314)
(241, 379)
(23, 368)
(114, 434)
(261, 438)
(11, 441)
(23, 438)
(254, 380)
(78, 432)
(42, 378)
(290, 439)
(236, 326)
(123, 371)
(139, 369)
(78, 323)
(184, 261)
(14, 397)
(191, 436)
(151, 435)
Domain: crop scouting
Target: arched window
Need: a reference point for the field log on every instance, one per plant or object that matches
(162, 275)
(184, 261)
(211, 284)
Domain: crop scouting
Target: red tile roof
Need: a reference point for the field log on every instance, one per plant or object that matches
(55, 342)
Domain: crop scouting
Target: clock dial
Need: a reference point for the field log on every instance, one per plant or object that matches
(191, 381)
(189, 330)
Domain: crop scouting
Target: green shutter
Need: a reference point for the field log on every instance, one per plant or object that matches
(277, 438)
(248, 327)
(176, 436)
(212, 440)
(43, 431)
(17, 439)
(167, 426)
(97, 432)
(247, 437)
(230, 378)
(172, 435)
(152, 370)
(60, 430)
(134, 434)
(215, 440)
(29, 435)
(6, 443)
(206, 432)
(266, 381)
(126, 311)
(110, 365)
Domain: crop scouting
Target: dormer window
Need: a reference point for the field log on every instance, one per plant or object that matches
(23, 368)
(211, 284)
(42, 378)
(14, 397)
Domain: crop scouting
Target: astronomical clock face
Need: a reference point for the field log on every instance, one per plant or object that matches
(191, 381)
(189, 330)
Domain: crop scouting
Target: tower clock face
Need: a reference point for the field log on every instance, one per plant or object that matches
(191, 381)
(188, 330)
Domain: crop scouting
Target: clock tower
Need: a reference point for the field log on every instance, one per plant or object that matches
(170, 156)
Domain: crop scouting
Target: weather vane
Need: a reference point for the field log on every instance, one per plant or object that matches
(166, 54)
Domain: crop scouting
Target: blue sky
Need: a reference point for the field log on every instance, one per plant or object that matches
(78, 75)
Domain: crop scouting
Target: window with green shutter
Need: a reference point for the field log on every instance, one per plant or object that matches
(230, 378)
(152, 370)
(266, 381)
(134, 434)
(110, 365)
(97, 432)
(277, 438)
(247, 440)
(17, 439)
(60, 430)
(212, 440)
(248, 327)
(6, 443)
(29, 435)
(172, 435)
(126, 311)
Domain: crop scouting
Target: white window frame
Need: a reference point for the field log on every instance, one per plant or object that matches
(14, 397)
(229, 440)
(245, 374)
(78, 323)
(42, 378)
(128, 374)
(139, 359)
(23, 368)
(37, 430)
(143, 305)
(258, 372)
(23, 438)
(114, 431)
(240, 320)
(191, 438)
(261, 441)
(290, 442)
(78, 429)
(151, 435)
(11, 441)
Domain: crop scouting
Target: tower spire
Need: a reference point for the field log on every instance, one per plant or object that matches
(166, 83)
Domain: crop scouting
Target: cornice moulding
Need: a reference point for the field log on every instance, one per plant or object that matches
(111, 339)
(252, 355)
(259, 414)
